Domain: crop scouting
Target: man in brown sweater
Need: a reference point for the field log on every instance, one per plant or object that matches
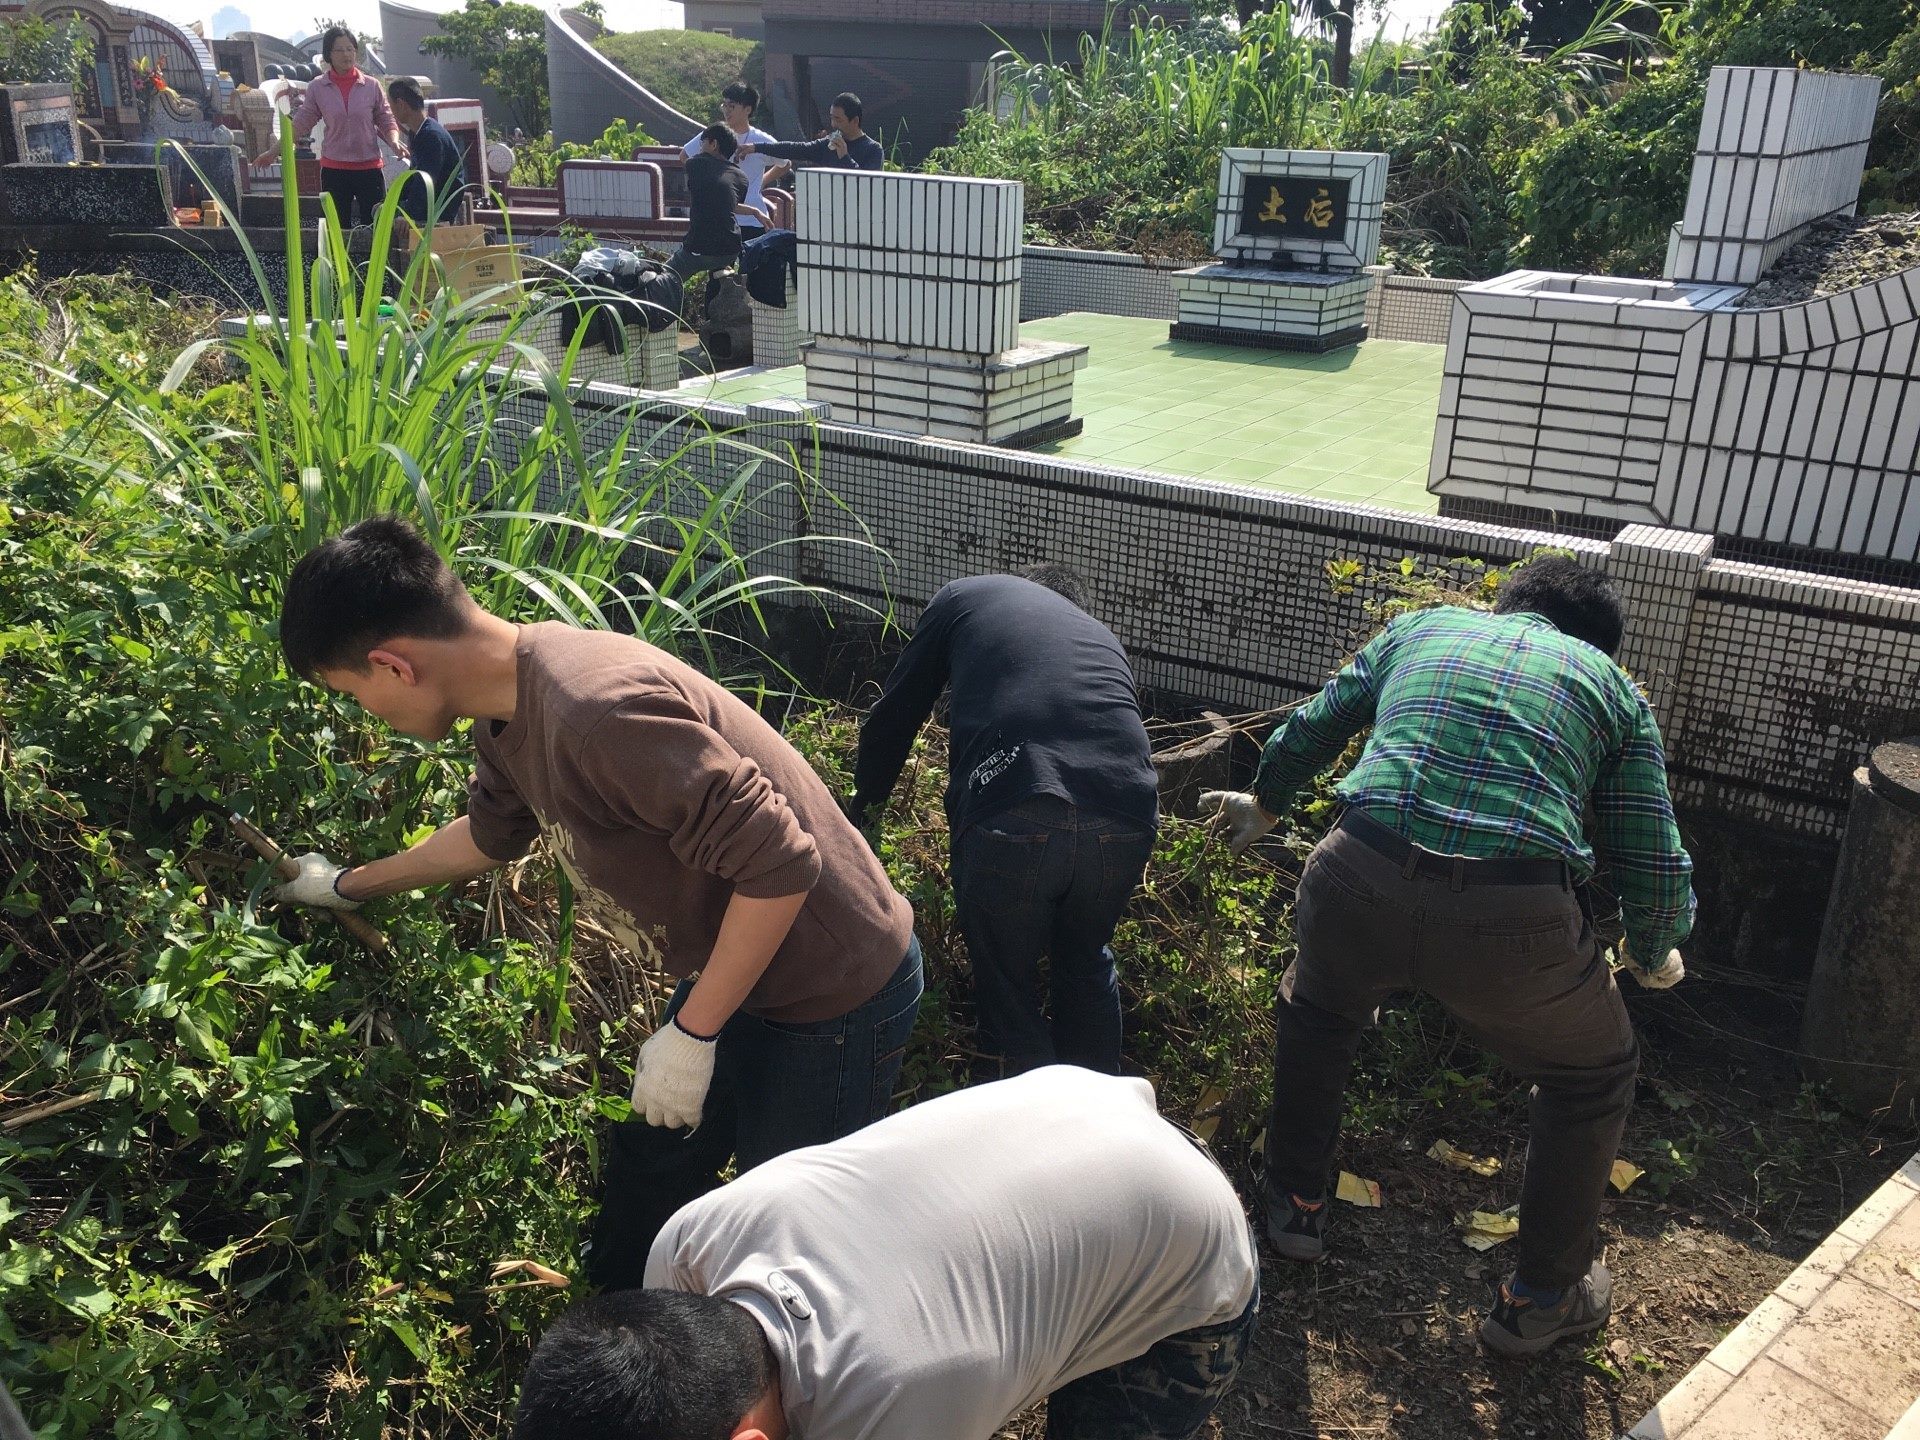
(689, 827)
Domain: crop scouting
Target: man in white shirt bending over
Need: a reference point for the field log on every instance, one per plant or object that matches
(737, 104)
(928, 1279)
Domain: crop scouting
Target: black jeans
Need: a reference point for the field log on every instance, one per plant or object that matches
(1046, 878)
(776, 1087)
(355, 193)
(1166, 1394)
(1518, 967)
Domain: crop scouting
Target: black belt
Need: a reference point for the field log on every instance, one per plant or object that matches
(1457, 870)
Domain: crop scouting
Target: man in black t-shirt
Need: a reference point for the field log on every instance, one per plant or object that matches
(1051, 801)
(716, 193)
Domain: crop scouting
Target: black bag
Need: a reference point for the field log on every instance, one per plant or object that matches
(646, 293)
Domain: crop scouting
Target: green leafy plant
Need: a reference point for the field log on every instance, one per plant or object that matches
(36, 51)
(686, 68)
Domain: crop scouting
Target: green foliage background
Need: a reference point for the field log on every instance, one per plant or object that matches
(686, 68)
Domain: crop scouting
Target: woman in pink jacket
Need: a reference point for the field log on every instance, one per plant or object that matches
(358, 118)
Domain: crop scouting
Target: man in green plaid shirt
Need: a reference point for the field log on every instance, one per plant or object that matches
(1459, 867)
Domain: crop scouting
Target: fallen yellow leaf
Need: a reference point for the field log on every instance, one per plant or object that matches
(1446, 1154)
(1355, 1191)
(1624, 1173)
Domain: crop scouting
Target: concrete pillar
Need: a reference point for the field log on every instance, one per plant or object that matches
(1658, 572)
(1861, 1033)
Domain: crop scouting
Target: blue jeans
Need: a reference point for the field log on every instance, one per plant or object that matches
(1046, 878)
(1165, 1394)
(777, 1086)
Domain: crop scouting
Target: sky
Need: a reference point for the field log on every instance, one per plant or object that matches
(287, 17)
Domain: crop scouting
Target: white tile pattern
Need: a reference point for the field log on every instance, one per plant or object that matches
(1358, 241)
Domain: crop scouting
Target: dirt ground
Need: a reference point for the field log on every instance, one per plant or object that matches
(1379, 1339)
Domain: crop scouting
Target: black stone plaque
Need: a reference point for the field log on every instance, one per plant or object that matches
(1295, 207)
(49, 142)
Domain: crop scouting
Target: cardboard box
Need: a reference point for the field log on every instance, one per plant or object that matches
(483, 267)
(470, 264)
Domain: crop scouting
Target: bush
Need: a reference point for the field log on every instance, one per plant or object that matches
(34, 51)
(686, 68)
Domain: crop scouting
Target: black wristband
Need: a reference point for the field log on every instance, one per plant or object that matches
(703, 1039)
(337, 876)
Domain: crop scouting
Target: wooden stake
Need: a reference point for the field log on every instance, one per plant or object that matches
(349, 921)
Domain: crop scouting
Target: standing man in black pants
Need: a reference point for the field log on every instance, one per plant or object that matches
(1051, 802)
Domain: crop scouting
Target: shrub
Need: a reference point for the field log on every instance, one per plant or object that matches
(686, 68)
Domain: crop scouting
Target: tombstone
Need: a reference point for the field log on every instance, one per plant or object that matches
(1294, 231)
(910, 286)
(38, 125)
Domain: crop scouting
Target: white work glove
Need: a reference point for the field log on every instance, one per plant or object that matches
(671, 1077)
(1664, 978)
(1246, 820)
(317, 884)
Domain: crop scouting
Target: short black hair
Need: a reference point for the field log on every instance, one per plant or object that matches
(741, 93)
(1063, 580)
(849, 104)
(405, 90)
(1580, 602)
(726, 141)
(644, 1365)
(374, 581)
(335, 33)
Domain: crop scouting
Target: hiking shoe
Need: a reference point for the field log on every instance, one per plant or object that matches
(1519, 1326)
(1297, 1228)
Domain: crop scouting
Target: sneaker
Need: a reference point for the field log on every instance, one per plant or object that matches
(1297, 1227)
(1519, 1326)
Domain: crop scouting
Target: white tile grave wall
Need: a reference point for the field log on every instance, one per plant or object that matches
(1778, 150)
(1771, 683)
(928, 260)
(610, 190)
(1642, 401)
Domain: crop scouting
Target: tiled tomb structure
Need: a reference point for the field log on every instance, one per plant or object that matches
(910, 287)
(1778, 150)
(1294, 231)
(1789, 432)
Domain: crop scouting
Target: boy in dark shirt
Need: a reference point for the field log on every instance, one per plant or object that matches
(716, 193)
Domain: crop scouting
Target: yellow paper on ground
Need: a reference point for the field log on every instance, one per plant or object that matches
(1485, 1229)
(1446, 1154)
(1356, 1191)
(1625, 1172)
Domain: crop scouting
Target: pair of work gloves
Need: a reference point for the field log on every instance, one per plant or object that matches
(1245, 820)
(675, 1068)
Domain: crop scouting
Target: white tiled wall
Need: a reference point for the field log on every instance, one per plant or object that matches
(922, 260)
(1303, 304)
(1359, 241)
(1778, 150)
(610, 189)
(1797, 425)
(777, 336)
(1770, 684)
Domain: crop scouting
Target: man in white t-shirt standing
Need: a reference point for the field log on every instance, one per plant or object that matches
(932, 1276)
(737, 104)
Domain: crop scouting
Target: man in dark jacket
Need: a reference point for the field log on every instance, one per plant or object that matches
(1051, 802)
(431, 151)
(849, 147)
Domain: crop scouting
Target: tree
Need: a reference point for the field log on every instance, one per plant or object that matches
(506, 44)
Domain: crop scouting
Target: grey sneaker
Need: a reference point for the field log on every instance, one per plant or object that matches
(1297, 1227)
(1517, 1326)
